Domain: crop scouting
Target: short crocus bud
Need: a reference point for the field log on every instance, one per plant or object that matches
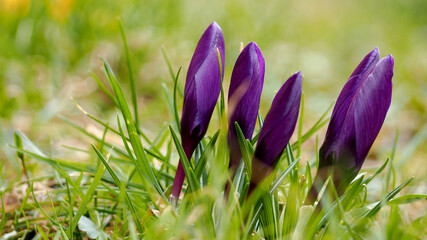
(201, 92)
(244, 96)
(279, 124)
(356, 120)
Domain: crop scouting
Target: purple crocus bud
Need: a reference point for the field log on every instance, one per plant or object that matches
(279, 124)
(244, 96)
(201, 92)
(356, 120)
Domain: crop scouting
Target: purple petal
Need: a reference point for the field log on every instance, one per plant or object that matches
(211, 39)
(248, 79)
(279, 124)
(357, 117)
(203, 84)
(371, 106)
(244, 97)
(201, 92)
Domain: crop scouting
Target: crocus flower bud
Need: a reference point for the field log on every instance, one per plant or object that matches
(279, 124)
(356, 120)
(201, 92)
(244, 96)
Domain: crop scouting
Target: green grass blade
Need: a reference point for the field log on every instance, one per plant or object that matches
(352, 192)
(247, 158)
(260, 120)
(141, 173)
(165, 56)
(201, 164)
(269, 217)
(3, 219)
(273, 187)
(142, 161)
(301, 117)
(104, 124)
(222, 100)
(384, 201)
(171, 72)
(104, 89)
(283, 175)
(369, 179)
(319, 124)
(131, 77)
(189, 173)
(99, 140)
(64, 235)
(405, 199)
(175, 108)
(85, 201)
(391, 166)
(122, 188)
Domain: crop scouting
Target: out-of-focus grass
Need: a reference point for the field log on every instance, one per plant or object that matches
(48, 47)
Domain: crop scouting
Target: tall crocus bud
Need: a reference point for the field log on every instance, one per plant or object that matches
(279, 124)
(201, 92)
(244, 96)
(357, 118)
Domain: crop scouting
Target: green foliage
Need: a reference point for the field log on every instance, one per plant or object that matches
(66, 193)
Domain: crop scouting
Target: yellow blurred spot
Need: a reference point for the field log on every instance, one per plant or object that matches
(60, 9)
(15, 7)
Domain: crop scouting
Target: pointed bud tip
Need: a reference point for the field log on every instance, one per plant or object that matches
(297, 76)
(391, 60)
(375, 52)
(253, 44)
(214, 25)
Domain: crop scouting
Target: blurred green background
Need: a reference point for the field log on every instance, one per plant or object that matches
(47, 49)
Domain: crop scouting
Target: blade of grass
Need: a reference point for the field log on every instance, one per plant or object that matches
(142, 161)
(301, 116)
(247, 158)
(3, 219)
(405, 199)
(260, 120)
(134, 160)
(106, 125)
(39, 207)
(369, 179)
(391, 166)
(273, 187)
(103, 88)
(122, 188)
(82, 130)
(131, 78)
(385, 200)
(342, 212)
(155, 154)
(269, 217)
(319, 124)
(188, 170)
(171, 72)
(64, 235)
(85, 201)
(222, 99)
(201, 164)
(292, 201)
(352, 192)
(175, 108)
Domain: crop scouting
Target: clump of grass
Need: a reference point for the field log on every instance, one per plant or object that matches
(123, 192)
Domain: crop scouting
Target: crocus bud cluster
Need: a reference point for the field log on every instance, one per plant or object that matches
(356, 120)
